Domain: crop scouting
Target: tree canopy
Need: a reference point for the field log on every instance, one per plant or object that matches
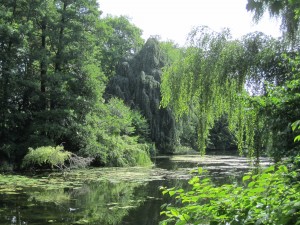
(62, 65)
(121, 40)
(219, 76)
(208, 80)
(52, 79)
(287, 10)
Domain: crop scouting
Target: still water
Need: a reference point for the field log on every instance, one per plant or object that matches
(106, 196)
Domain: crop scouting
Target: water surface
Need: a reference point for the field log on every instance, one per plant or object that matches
(107, 196)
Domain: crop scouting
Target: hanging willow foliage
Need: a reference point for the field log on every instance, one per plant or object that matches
(209, 81)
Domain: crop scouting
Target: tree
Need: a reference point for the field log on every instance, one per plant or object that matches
(209, 80)
(287, 10)
(52, 75)
(281, 109)
(52, 83)
(137, 82)
(120, 40)
(219, 77)
(273, 68)
(16, 80)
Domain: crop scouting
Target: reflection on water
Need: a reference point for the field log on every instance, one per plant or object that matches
(111, 201)
(102, 202)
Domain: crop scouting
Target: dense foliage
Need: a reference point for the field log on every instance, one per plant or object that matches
(280, 108)
(251, 82)
(137, 82)
(256, 86)
(114, 142)
(209, 81)
(52, 54)
(122, 40)
(271, 197)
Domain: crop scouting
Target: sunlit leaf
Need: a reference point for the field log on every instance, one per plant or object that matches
(246, 177)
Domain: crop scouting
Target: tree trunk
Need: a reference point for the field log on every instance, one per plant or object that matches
(58, 57)
(59, 52)
(43, 66)
(6, 73)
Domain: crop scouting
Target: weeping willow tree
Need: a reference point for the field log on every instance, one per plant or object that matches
(286, 10)
(209, 81)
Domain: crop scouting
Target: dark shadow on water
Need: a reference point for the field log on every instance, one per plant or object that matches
(149, 212)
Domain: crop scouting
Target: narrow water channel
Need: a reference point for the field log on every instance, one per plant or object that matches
(107, 196)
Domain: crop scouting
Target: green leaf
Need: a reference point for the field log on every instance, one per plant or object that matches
(171, 193)
(251, 184)
(180, 222)
(295, 125)
(200, 170)
(174, 212)
(246, 177)
(283, 168)
(269, 169)
(297, 138)
(164, 192)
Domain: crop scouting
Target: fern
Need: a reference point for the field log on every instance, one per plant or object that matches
(46, 155)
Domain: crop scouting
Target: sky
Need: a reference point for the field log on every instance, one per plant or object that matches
(174, 19)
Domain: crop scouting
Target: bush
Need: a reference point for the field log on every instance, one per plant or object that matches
(271, 197)
(5, 166)
(46, 155)
(115, 136)
(126, 151)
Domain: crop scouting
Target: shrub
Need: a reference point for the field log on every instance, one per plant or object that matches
(116, 136)
(5, 166)
(46, 155)
(271, 197)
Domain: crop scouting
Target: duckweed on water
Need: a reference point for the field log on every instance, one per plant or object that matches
(74, 179)
(107, 196)
(84, 196)
(10, 184)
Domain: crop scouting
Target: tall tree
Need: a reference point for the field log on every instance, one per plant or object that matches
(51, 83)
(121, 39)
(14, 66)
(54, 72)
(208, 80)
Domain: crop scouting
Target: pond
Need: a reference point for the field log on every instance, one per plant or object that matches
(106, 196)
